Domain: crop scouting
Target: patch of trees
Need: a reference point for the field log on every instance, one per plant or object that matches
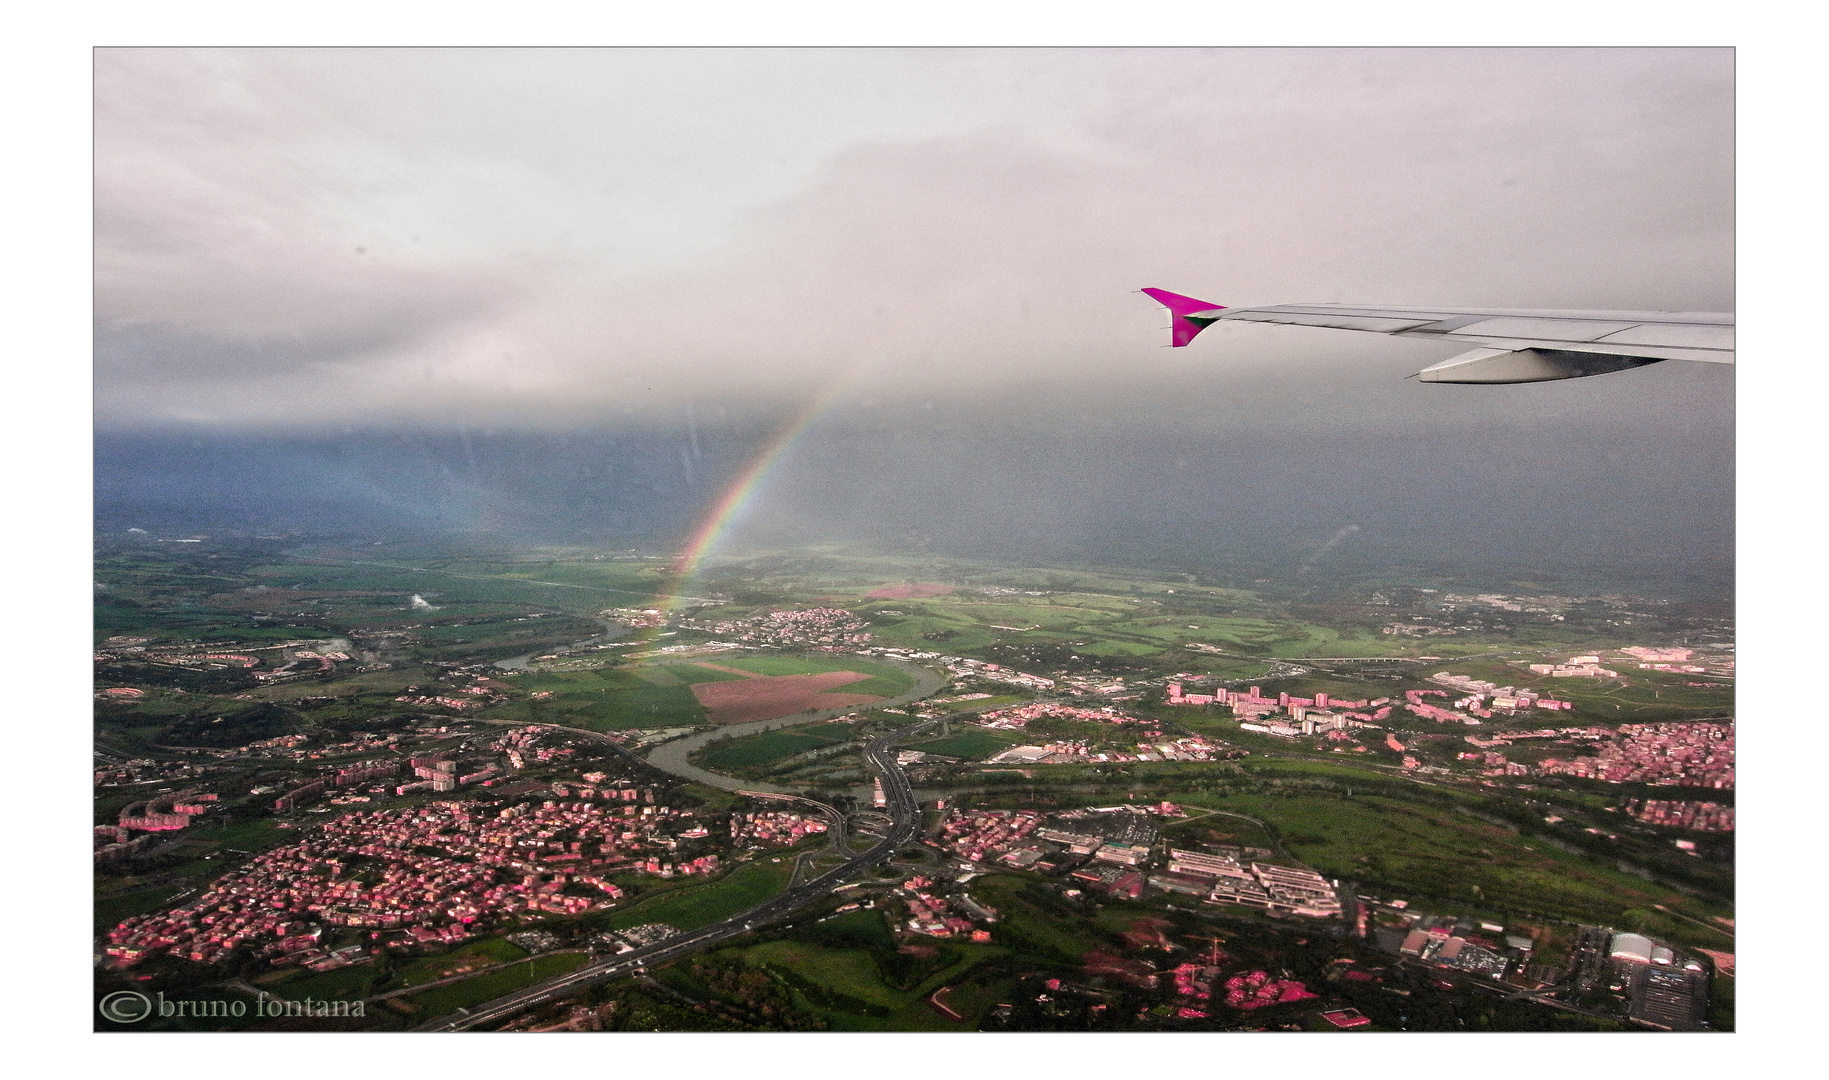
(237, 728)
(220, 681)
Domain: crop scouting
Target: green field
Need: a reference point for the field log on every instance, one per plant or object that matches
(765, 748)
(970, 745)
(1638, 697)
(692, 906)
(120, 898)
(113, 904)
(863, 927)
(345, 984)
(847, 985)
(1029, 923)
(604, 699)
(848, 971)
(493, 984)
(426, 969)
(982, 705)
(254, 835)
(1440, 858)
(583, 586)
(886, 680)
(1110, 647)
(649, 695)
(1147, 623)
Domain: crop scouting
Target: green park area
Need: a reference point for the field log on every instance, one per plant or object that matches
(1035, 920)
(848, 970)
(847, 987)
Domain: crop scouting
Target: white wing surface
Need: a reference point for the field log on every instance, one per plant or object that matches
(1510, 345)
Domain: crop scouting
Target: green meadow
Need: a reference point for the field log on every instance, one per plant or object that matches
(493, 984)
(772, 746)
(970, 745)
(691, 906)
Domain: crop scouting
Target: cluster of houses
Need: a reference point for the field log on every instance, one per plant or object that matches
(1686, 754)
(773, 828)
(936, 914)
(828, 627)
(976, 835)
(1698, 816)
(423, 875)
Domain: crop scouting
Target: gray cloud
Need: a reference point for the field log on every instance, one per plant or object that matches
(550, 237)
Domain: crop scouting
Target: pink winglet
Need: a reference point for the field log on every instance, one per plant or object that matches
(1181, 307)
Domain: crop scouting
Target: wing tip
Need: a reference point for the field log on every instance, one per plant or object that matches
(1185, 329)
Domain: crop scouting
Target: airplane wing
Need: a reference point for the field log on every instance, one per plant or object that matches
(1510, 345)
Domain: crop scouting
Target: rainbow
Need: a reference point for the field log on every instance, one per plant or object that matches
(743, 490)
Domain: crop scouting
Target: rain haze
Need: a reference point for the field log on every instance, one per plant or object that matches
(577, 294)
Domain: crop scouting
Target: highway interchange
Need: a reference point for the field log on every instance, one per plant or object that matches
(905, 816)
(900, 805)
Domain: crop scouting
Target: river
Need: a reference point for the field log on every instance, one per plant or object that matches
(671, 756)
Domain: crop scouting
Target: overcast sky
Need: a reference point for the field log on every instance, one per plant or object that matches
(305, 237)
(545, 291)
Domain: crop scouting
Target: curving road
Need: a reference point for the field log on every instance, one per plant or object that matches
(905, 817)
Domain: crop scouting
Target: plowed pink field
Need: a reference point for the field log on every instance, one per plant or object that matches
(766, 697)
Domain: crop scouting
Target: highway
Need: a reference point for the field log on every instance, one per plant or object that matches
(905, 817)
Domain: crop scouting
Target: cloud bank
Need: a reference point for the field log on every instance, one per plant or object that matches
(311, 238)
